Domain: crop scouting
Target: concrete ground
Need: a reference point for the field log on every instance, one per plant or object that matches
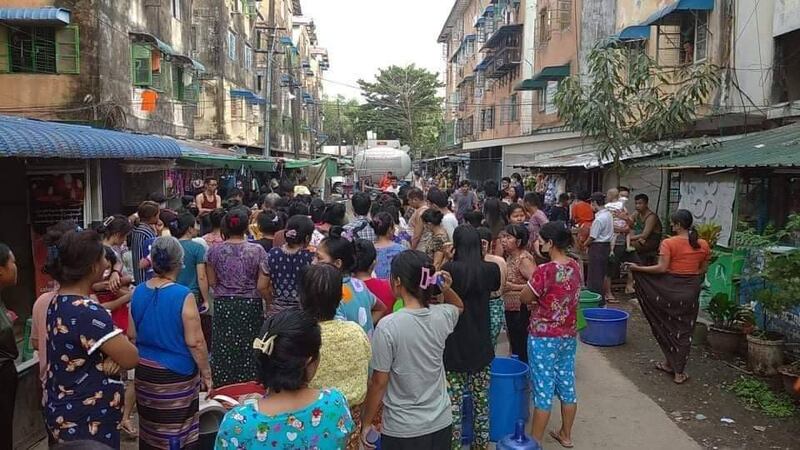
(612, 412)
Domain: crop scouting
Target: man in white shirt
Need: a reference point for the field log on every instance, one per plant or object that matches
(438, 199)
(599, 242)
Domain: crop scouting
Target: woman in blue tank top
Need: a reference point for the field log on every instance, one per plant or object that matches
(165, 323)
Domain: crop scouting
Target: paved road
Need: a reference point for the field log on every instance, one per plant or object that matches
(614, 414)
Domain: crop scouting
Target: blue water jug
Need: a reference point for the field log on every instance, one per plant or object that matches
(467, 418)
(519, 440)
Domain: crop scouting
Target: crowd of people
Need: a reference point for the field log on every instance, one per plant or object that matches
(370, 326)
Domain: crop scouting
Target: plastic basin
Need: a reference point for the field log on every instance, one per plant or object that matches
(605, 327)
(589, 299)
(509, 396)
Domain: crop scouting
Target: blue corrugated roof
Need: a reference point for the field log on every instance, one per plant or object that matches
(22, 15)
(26, 138)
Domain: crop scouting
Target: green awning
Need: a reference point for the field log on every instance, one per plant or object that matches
(303, 163)
(539, 81)
(779, 147)
(231, 162)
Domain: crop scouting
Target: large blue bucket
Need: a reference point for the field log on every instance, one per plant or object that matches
(509, 396)
(605, 327)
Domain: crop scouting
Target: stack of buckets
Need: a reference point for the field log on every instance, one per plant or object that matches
(600, 326)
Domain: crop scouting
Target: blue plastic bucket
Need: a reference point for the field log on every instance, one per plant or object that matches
(509, 396)
(605, 327)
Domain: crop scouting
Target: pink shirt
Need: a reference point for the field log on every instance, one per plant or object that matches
(39, 329)
(558, 288)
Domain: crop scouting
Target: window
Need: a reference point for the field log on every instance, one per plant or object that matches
(259, 83)
(231, 45)
(237, 108)
(700, 36)
(544, 26)
(248, 57)
(513, 106)
(176, 9)
(684, 42)
(185, 85)
(149, 69)
(542, 100)
(40, 50)
(564, 14)
(235, 5)
(142, 64)
(487, 119)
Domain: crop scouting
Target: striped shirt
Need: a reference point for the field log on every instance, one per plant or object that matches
(140, 234)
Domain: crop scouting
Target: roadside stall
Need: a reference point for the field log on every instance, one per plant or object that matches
(750, 189)
(51, 172)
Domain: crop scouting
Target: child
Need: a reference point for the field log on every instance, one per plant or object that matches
(358, 304)
(364, 268)
(552, 295)
(615, 203)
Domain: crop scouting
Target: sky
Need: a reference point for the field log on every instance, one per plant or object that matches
(364, 35)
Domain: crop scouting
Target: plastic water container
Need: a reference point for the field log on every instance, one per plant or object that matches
(373, 437)
(509, 396)
(605, 327)
(467, 417)
(519, 440)
(589, 299)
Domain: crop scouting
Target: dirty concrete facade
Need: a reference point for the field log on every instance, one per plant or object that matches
(102, 91)
(205, 79)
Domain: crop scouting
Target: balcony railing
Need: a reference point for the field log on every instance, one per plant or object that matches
(507, 58)
(504, 61)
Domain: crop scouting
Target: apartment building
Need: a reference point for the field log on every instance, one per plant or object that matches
(503, 59)
(230, 111)
(294, 87)
(127, 65)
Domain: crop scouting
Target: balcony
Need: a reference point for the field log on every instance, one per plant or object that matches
(503, 62)
(507, 58)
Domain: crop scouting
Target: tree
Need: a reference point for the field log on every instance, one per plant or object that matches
(629, 101)
(340, 114)
(402, 104)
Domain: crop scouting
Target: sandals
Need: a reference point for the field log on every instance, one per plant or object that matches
(560, 440)
(127, 427)
(664, 368)
(680, 378)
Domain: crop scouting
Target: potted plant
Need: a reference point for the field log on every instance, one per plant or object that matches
(709, 232)
(791, 378)
(731, 321)
(781, 275)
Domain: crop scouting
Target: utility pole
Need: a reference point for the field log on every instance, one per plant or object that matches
(268, 79)
(339, 120)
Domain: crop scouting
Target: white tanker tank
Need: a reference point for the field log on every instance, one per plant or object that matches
(376, 161)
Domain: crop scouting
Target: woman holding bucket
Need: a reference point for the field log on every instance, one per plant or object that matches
(552, 295)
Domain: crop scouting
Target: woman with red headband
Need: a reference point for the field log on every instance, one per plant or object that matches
(237, 271)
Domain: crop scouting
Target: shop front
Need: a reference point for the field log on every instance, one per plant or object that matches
(51, 172)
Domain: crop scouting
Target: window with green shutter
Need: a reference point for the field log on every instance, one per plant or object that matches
(162, 74)
(5, 54)
(68, 59)
(141, 63)
(177, 83)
